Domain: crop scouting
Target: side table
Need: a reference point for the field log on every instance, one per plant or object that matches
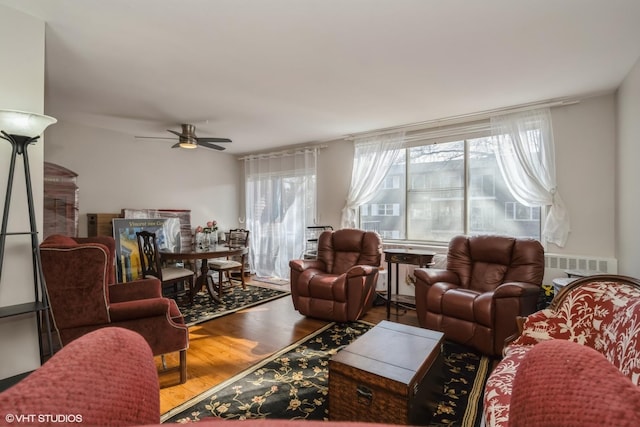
(561, 282)
(581, 273)
(417, 257)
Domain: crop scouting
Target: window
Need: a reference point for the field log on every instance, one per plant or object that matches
(391, 182)
(516, 212)
(385, 209)
(448, 188)
(281, 202)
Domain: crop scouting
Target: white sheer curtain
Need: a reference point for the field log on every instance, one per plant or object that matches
(372, 159)
(526, 156)
(280, 191)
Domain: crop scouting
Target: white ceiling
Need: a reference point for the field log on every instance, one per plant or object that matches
(270, 73)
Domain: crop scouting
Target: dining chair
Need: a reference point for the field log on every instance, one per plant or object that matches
(151, 264)
(236, 238)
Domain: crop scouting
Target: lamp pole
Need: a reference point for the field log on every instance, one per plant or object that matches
(19, 145)
(14, 127)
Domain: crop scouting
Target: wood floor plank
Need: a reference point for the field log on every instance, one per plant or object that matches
(228, 345)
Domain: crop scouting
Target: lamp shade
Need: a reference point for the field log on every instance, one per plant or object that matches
(23, 123)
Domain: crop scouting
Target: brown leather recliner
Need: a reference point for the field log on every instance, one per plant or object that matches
(79, 275)
(488, 282)
(340, 284)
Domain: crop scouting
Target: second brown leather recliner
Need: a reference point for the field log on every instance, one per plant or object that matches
(340, 284)
(488, 282)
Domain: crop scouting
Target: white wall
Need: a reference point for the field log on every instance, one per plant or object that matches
(584, 136)
(334, 177)
(21, 88)
(628, 174)
(116, 172)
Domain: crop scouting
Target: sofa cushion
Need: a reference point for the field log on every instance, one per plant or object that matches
(106, 377)
(561, 383)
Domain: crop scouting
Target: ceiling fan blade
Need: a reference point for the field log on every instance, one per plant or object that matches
(213, 139)
(209, 145)
(175, 133)
(153, 137)
(176, 145)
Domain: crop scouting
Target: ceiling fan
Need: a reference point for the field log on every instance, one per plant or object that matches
(188, 139)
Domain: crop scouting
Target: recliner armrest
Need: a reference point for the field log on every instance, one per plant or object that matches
(306, 264)
(429, 276)
(361, 270)
(516, 289)
(135, 290)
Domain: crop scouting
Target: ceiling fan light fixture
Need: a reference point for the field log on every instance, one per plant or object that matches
(188, 143)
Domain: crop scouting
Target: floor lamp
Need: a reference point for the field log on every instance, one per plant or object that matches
(22, 129)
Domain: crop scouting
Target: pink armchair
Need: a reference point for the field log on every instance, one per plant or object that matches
(340, 284)
(79, 276)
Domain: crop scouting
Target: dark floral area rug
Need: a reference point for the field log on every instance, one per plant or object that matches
(293, 384)
(204, 308)
(465, 375)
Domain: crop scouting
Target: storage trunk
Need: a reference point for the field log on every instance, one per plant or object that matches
(391, 374)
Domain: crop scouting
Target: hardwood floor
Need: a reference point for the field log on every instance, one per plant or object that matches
(228, 345)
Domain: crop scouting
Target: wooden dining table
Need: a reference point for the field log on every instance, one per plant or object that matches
(203, 254)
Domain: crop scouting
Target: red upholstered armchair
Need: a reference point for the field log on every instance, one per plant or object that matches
(340, 284)
(488, 282)
(79, 274)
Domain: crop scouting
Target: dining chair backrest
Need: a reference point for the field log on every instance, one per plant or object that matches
(238, 238)
(150, 262)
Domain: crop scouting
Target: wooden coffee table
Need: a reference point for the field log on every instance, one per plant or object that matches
(388, 375)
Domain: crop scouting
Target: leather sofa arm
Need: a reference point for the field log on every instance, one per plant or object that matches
(136, 290)
(516, 289)
(429, 276)
(361, 270)
(139, 309)
(307, 264)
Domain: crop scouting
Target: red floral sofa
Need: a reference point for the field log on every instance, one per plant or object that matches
(600, 312)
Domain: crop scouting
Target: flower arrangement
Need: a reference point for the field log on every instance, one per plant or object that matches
(210, 228)
(204, 236)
